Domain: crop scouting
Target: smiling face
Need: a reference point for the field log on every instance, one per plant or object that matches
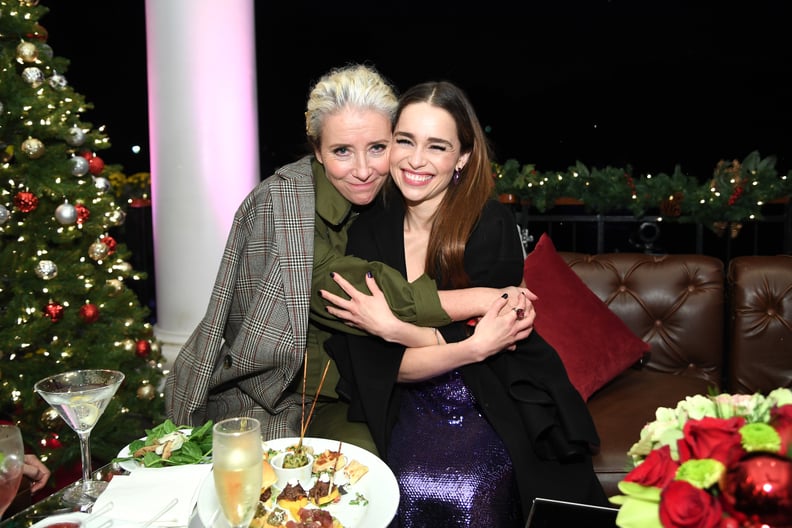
(354, 152)
(425, 152)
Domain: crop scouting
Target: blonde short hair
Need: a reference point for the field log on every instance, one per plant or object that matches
(355, 86)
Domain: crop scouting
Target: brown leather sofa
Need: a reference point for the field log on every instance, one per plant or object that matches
(710, 327)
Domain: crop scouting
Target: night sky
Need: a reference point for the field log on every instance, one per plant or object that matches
(606, 83)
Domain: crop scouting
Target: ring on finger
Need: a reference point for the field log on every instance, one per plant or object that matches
(520, 312)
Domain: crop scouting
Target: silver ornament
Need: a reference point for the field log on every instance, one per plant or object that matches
(98, 250)
(66, 214)
(58, 81)
(1, 107)
(27, 52)
(4, 214)
(46, 51)
(75, 137)
(79, 166)
(33, 76)
(46, 269)
(33, 147)
(103, 184)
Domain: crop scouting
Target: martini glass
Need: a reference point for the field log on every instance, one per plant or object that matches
(80, 397)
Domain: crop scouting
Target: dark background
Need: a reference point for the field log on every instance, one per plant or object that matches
(645, 84)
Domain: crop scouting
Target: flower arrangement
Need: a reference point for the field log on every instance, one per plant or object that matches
(717, 461)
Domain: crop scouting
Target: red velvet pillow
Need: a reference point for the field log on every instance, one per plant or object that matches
(594, 344)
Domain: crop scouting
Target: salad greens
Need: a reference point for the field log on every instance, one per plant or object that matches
(169, 444)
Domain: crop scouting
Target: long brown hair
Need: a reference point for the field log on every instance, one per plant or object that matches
(461, 207)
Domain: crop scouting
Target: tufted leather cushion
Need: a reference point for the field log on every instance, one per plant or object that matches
(760, 290)
(673, 302)
(676, 304)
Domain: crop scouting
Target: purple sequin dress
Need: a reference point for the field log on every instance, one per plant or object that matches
(453, 469)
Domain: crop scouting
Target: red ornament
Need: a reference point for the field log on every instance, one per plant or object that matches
(142, 348)
(38, 33)
(54, 311)
(52, 442)
(89, 313)
(83, 213)
(95, 165)
(758, 489)
(140, 202)
(110, 243)
(25, 201)
(87, 155)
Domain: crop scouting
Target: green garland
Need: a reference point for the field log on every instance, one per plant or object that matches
(735, 193)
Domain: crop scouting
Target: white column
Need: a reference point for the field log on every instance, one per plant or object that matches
(204, 147)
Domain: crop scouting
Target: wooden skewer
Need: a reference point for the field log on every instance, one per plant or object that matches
(313, 404)
(302, 406)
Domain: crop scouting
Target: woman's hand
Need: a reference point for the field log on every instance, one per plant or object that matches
(503, 325)
(36, 471)
(370, 313)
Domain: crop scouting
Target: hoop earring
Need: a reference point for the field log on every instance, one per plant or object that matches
(456, 176)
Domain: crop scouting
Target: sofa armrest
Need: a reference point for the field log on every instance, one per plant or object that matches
(760, 292)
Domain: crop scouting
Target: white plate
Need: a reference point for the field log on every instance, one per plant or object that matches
(131, 465)
(379, 486)
(63, 517)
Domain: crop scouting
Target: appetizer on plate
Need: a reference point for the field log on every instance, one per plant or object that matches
(294, 506)
(169, 444)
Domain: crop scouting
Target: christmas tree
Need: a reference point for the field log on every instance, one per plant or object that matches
(64, 297)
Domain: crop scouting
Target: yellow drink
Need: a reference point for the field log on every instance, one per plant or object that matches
(237, 457)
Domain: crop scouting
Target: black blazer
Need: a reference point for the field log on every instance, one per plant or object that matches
(525, 394)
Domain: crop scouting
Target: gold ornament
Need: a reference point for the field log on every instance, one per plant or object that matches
(128, 345)
(27, 52)
(98, 250)
(51, 420)
(33, 148)
(146, 392)
(115, 286)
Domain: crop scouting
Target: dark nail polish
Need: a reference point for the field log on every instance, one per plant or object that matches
(505, 295)
(368, 274)
(321, 295)
(332, 274)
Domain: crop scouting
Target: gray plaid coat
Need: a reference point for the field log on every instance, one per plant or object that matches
(248, 348)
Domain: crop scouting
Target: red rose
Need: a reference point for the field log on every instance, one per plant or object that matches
(717, 438)
(781, 420)
(683, 505)
(658, 469)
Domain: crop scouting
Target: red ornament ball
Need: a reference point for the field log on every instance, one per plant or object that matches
(52, 442)
(89, 313)
(25, 201)
(759, 489)
(95, 165)
(83, 213)
(142, 348)
(54, 311)
(110, 242)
